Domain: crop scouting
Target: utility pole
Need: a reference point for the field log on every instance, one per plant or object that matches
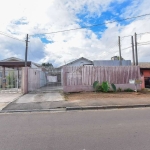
(26, 52)
(133, 57)
(120, 58)
(136, 53)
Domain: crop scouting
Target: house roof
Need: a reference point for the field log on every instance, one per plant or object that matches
(76, 61)
(11, 59)
(144, 64)
(14, 60)
(14, 63)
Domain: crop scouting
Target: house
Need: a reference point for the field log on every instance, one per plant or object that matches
(111, 62)
(11, 69)
(79, 62)
(145, 72)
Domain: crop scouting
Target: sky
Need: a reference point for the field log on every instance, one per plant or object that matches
(37, 17)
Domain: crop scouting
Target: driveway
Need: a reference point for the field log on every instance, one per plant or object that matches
(44, 94)
(42, 98)
(7, 98)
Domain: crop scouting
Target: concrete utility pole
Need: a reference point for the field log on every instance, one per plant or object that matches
(133, 57)
(26, 52)
(136, 53)
(120, 58)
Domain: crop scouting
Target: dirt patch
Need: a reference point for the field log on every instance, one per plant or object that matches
(94, 95)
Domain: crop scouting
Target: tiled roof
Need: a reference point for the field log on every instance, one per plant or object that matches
(144, 64)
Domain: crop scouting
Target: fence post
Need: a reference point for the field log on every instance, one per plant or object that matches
(24, 83)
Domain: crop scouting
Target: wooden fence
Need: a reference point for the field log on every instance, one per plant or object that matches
(77, 79)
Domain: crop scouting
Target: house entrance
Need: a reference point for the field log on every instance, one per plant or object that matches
(147, 82)
(10, 80)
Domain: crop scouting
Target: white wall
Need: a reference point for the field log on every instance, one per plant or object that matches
(80, 62)
(36, 79)
(111, 63)
(35, 67)
(52, 78)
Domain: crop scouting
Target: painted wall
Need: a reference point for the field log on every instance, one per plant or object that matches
(52, 78)
(111, 63)
(80, 62)
(146, 73)
(36, 79)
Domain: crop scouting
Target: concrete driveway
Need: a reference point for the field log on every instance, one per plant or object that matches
(42, 98)
(44, 94)
(6, 98)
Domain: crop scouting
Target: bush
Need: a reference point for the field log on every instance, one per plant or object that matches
(105, 86)
(128, 90)
(113, 87)
(119, 89)
(95, 84)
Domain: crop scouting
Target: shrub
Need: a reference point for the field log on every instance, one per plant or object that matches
(105, 86)
(113, 87)
(97, 86)
(119, 89)
(128, 90)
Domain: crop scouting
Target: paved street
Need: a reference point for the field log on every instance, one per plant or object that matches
(125, 129)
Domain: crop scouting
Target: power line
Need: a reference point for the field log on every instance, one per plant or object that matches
(126, 36)
(126, 48)
(11, 36)
(144, 33)
(92, 25)
(144, 42)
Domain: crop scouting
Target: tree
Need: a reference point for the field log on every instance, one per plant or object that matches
(116, 58)
(47, 65)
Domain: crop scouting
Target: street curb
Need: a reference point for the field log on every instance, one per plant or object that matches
(78, 108)
(106, 107)
(34, 110)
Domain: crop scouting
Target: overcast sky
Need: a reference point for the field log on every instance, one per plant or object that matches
(21, 17)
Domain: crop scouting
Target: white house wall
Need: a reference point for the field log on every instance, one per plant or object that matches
(111, 63)
(80, 62)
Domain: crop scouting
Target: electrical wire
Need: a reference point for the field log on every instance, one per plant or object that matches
(126, 48)
(144, 42)
(11, 36)
(91, 25)
(143, 33)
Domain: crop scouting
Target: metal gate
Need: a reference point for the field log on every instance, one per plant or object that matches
(36, 79)
(11, 82)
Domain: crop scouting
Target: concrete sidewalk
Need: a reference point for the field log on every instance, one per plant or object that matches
(104, 103)
(7, 98)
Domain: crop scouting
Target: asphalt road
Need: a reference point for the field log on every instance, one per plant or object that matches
(125, 129)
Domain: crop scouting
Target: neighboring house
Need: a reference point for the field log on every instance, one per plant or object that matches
(11, 68)
(145, 72)
(78, 62)
(83, 61)
(111, 62)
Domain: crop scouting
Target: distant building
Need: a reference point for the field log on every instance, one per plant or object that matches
(145, 72)
(111, 62)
